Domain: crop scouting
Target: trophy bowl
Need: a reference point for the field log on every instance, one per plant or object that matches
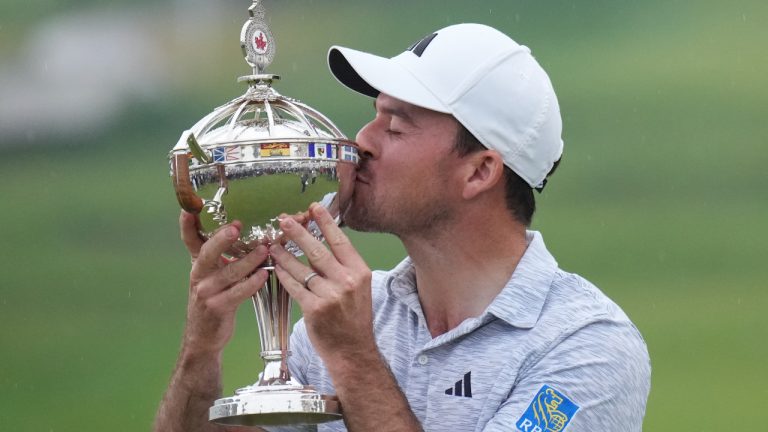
(253, 159)
(256, 157)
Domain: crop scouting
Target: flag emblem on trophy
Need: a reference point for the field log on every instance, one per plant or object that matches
(275, 149)
(321, 150)
(227, 154)
(349, 154)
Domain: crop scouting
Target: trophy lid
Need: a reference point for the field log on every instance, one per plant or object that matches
(261, 113)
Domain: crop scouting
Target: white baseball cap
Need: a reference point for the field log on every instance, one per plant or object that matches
(489, 83)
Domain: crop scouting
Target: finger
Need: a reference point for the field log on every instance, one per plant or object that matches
(302, 218)
(318, 255)
(232, 273)
(189, 225)
(208, 258)
(339, 243)
(295, 268)
(231, 298)
(295, 288)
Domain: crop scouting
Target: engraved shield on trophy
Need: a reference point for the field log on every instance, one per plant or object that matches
(251, 159)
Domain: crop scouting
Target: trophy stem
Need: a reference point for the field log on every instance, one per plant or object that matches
(272, 306)
(275, 399)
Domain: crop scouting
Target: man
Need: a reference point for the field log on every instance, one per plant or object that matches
(478, 329)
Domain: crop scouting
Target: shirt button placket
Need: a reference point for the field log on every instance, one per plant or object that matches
(418, 384)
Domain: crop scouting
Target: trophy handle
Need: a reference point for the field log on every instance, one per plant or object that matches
(185, 193)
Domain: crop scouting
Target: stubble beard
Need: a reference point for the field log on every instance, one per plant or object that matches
(419, 214)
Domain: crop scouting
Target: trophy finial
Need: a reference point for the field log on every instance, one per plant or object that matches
(256, 39)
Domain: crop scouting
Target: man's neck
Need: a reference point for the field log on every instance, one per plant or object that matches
(460, 270)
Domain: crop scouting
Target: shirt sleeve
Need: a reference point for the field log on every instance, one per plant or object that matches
(595, 379)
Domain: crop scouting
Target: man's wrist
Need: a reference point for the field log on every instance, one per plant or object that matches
(197, 364)
(191, 357)
(356, 367)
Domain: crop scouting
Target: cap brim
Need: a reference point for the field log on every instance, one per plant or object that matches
(370, 75)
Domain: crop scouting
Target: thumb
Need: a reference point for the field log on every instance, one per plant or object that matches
(189, 225)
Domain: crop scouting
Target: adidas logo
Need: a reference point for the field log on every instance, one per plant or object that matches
(463, 387)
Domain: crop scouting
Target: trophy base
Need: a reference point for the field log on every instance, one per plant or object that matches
(275, 405)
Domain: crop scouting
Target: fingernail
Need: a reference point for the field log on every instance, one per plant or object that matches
(232, 233)
(288, 222)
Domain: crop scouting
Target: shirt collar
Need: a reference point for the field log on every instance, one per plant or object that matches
(402, 278)
(522, 299)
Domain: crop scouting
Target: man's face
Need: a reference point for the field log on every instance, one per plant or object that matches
(407, 181)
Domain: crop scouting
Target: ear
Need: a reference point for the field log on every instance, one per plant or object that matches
(485, 170)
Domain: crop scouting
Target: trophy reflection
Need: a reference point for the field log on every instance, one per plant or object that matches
(258, 156)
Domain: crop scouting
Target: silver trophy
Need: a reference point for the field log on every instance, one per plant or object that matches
(258, 156)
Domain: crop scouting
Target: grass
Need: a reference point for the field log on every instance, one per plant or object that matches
(660, 201)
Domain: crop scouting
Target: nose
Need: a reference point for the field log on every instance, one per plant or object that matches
(366, 141)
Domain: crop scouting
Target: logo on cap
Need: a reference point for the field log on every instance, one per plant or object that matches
(419, 47)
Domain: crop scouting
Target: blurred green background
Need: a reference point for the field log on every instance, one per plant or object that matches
(661, 199)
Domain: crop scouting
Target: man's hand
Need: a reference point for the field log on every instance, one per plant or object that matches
(338, 316)
(337, 302)
(216, 287)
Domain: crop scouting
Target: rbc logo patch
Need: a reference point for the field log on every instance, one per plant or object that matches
(549, 411)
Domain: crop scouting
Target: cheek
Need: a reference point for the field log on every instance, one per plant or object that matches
(446, 178)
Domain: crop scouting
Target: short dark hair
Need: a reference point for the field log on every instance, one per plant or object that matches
(518, 193)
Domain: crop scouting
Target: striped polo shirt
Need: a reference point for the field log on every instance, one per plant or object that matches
(550, 353)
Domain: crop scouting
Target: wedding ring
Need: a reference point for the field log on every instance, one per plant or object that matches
(308, 278)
